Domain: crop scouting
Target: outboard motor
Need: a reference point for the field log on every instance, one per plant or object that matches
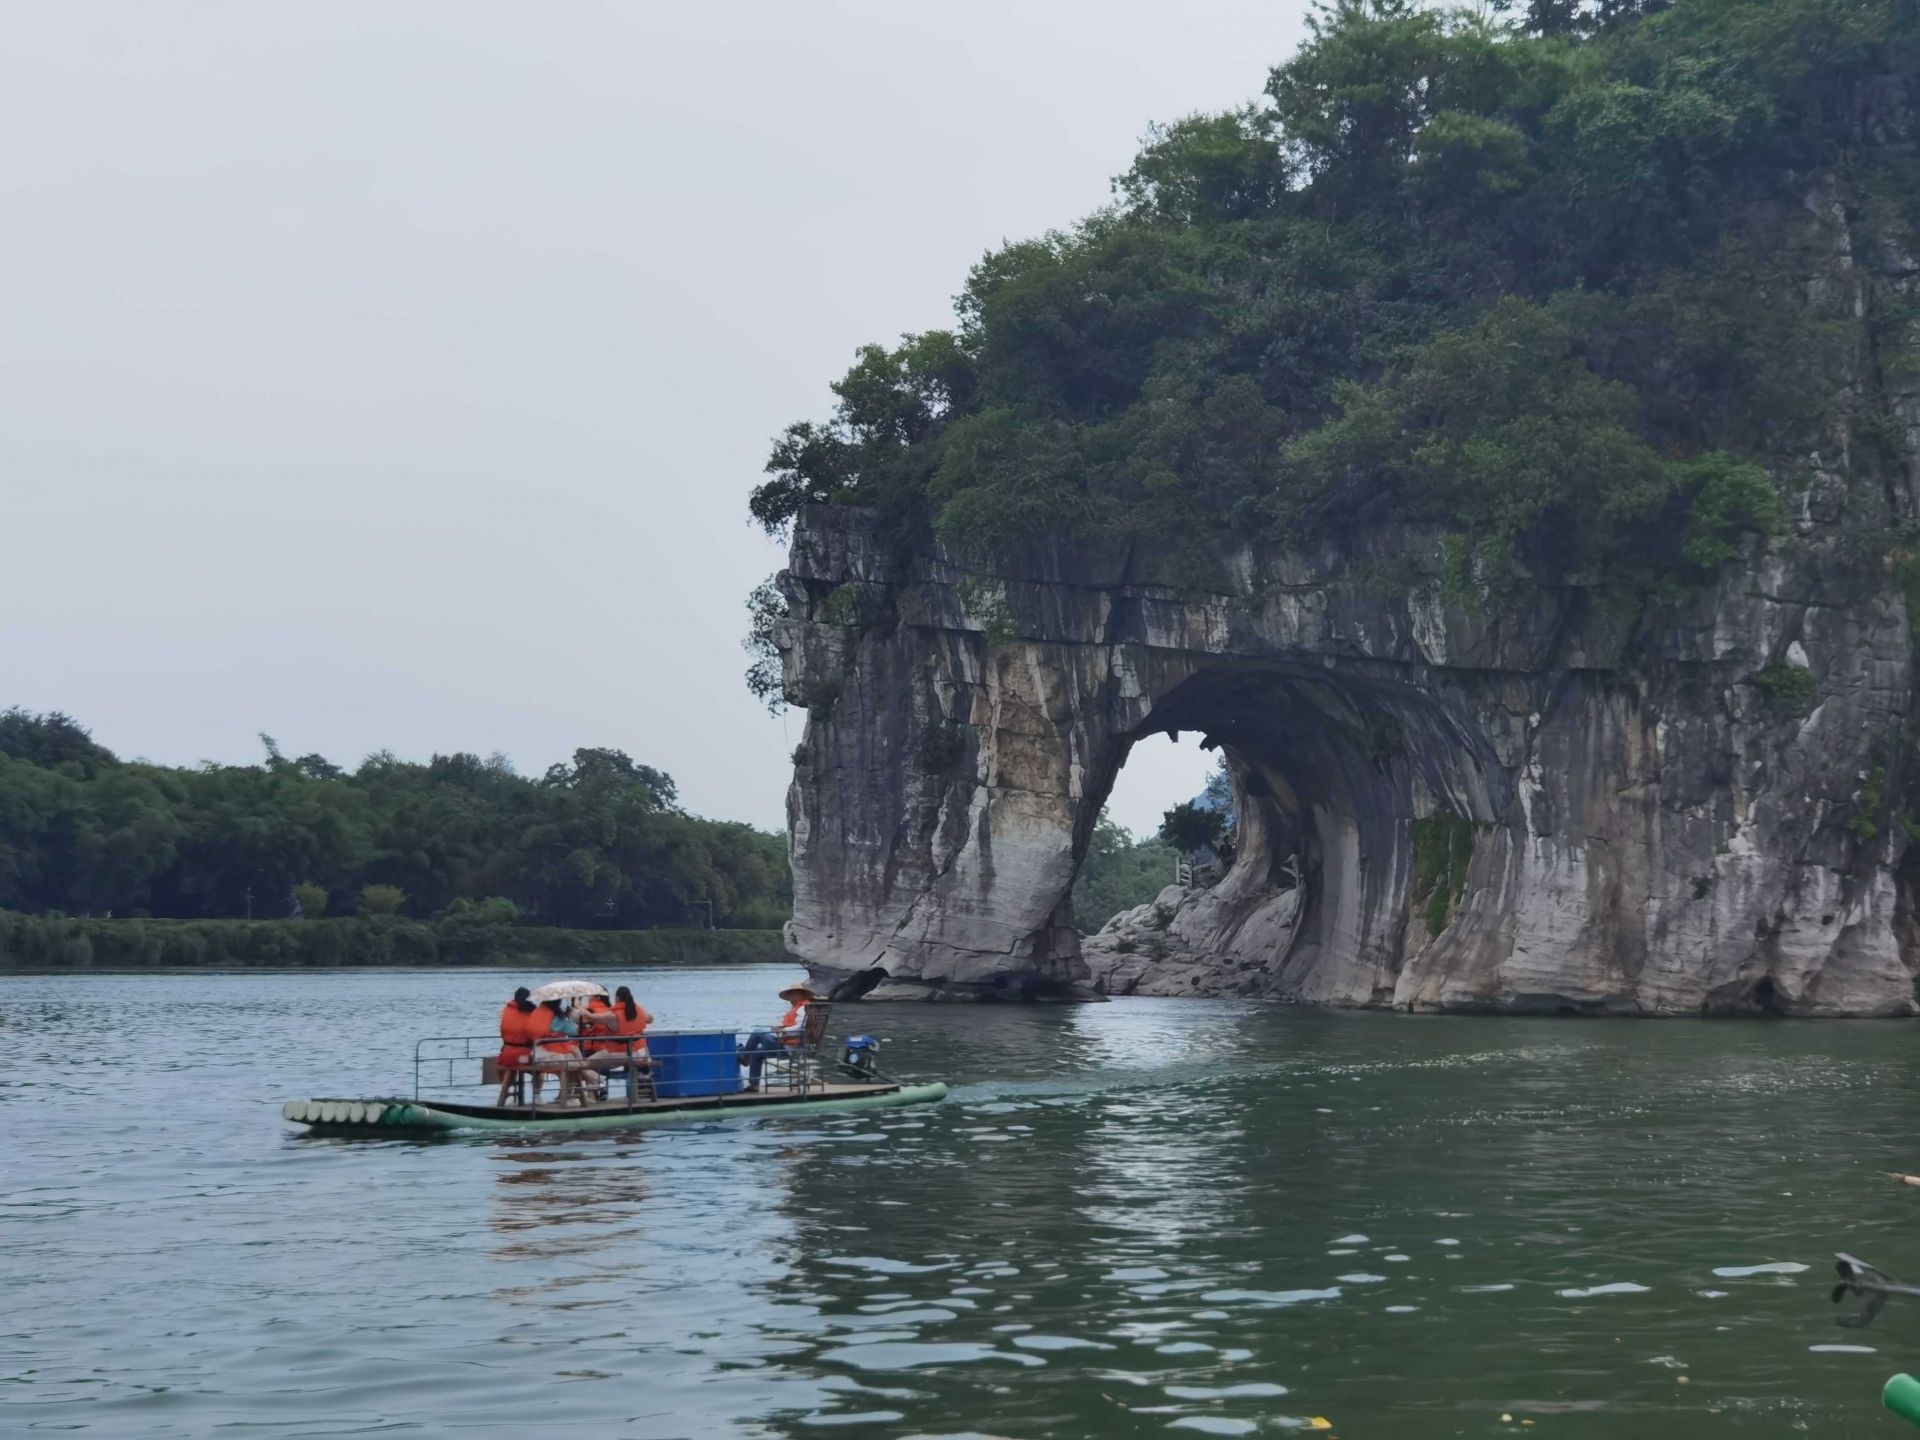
(861, 1056)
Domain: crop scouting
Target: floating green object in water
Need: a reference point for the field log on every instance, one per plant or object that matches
(1902, 1397)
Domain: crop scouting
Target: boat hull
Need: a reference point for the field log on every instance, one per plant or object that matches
(401, 1117)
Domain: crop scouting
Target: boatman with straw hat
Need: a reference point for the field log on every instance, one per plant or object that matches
(791, 1031)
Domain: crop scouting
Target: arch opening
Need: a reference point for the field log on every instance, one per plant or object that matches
(1127, 862)
(1161, 770)
(1364, 826)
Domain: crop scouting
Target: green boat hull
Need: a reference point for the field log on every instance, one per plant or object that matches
(404, 1117)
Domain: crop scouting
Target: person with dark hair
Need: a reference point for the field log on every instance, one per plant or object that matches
(516, 1042)
(627, 1019)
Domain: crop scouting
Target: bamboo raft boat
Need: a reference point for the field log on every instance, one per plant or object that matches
(393, 1116)
(670, 1077)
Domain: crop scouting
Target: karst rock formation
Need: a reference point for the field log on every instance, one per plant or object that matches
(1696, 807)
(1651, 832)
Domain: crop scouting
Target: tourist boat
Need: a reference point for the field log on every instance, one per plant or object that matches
(684, 1075)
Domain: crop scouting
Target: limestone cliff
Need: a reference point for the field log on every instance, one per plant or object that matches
(1532, 802)
(1650, 831)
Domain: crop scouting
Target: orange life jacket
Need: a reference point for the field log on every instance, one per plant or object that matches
(792, 1018)
(516, 1035)
(613, 1021)
(540, 1030)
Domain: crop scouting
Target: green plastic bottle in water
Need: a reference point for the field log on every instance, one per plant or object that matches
(1902, 1396)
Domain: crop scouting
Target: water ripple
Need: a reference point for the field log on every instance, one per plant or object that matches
(1119, 1226)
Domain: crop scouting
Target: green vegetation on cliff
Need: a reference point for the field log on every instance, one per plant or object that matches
(1442, 851)
(597, 842)
(1543, 281)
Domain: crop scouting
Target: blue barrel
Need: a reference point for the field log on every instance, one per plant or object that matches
(689, 1064)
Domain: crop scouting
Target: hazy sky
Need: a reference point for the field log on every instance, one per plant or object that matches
(393, 375)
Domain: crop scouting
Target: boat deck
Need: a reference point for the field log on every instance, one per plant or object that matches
(738, 1099)
(393, 1116)
(458, 1085)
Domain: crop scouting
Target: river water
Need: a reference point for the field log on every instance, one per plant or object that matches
(1141, 1218)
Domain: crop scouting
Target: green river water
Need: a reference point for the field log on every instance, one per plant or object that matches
(1142, 1218)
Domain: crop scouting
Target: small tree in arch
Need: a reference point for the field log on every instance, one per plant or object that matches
(1191, 828)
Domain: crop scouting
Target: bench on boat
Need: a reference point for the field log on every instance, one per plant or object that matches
(676, 1065)
(801, 1063)
(634, 1066)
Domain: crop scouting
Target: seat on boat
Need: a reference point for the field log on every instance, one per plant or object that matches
(802, 1062)
(570, 1071)
(639, 1073)
(492, 1072)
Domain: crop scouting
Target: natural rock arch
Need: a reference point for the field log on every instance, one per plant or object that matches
(1647, 835)
(1335, 769)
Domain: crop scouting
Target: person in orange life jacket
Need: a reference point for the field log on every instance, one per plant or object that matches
(516, 1041)
(791, 1031)
(595, 1017)
(594, 1013)
(626, 1019)
(554, 1029)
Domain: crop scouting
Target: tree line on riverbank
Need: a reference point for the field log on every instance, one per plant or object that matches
(597, 842)
(50, 942)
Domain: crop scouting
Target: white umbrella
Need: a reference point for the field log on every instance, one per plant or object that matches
(569, 990)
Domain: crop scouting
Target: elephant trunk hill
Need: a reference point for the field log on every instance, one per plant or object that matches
(1560, 663)
(1641, 827)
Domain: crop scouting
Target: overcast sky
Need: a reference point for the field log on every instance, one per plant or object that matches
(393, 374)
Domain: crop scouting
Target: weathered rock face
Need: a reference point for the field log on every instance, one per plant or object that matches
(1698, 808)
(1650, 833)
(1179, 943)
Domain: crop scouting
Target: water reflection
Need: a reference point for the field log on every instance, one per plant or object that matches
(557, 1203)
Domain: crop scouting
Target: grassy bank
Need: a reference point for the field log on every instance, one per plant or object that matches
(33, 942)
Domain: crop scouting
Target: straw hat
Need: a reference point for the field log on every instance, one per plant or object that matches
(798, 992)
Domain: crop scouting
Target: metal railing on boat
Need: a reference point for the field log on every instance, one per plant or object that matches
(793, 1069)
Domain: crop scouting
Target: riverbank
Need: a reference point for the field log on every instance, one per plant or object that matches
(35, 942)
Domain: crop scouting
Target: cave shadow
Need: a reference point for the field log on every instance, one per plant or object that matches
(1338, 779)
